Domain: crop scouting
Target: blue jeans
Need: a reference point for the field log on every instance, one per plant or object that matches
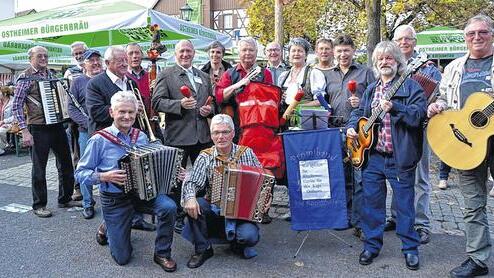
(118, 211)
(444, 170)
(86, 190)
(380, 168)
(246, 233)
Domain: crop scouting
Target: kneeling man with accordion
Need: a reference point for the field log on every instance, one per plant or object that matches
(134, 175)
(236, 190)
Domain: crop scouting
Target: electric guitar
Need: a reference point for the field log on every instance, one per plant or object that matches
(368, 128)
(459, 137)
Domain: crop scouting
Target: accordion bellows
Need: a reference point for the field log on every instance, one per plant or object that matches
(242, 192)
(151, 169)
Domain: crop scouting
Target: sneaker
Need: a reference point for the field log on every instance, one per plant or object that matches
(491, 193)
(468, 268)
(70, 204)
(42, 212)
(443, 184)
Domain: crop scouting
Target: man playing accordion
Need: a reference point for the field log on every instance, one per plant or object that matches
(99, 165)
(203, 216)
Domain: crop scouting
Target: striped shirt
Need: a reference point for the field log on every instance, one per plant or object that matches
(384, 141)
(204, 168)
(22, 89)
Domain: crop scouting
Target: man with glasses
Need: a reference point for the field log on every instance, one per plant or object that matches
(42, 137)
(406, 39)
(203, 216)
(471, 73)
(275, 65)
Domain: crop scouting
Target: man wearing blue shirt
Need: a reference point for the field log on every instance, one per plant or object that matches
(99, 165)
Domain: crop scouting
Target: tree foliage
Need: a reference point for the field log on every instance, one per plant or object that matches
(300, 19)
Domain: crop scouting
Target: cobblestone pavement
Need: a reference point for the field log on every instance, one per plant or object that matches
(446, 205)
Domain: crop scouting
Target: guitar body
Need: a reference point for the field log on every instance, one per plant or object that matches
(459, 137)
(358, 149)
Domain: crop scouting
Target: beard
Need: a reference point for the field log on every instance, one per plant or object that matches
(389, 71)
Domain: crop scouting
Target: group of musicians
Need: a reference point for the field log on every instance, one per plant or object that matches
(111, 100)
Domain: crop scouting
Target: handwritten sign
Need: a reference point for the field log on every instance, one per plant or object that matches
(314, 179)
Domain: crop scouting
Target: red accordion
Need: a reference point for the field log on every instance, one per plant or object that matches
(242, 192)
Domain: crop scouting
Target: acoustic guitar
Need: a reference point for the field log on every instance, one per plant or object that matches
(368, 128)
(459, 137)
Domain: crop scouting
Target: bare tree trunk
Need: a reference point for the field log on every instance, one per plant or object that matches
(373, 9)
(278, 21)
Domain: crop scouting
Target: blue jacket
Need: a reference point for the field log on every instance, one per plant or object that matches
(407, 116)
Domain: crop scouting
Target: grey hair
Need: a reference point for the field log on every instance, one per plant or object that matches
(483, 18)
(182, 42)
(83, 44)
(222, 119)
(248, 40)
(405, 27)
(123, 96)
(110, 52)
(392, 49)
(34, 49)
(299, 42)
(217, 44)
(133, 44)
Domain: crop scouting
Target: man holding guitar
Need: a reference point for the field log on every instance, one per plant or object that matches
(471, 73)
(398, 104)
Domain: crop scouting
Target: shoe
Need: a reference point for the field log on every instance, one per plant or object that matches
(491, 193)
(144, 226)
(425, 236)
(70, 204)
(42, 212)
(357, 232)
(101, 237)
(88, 212)
(468, 268)
(443, 184)
(266, 219)
(179, 225)
(366, 257)
(198, 259)
(77, 196)
(390, 225)
(412, 261)
(168, 264)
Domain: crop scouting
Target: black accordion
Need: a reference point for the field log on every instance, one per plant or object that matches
(151, 170)
(54, 99)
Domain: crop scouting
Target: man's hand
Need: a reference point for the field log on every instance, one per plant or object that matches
(350, 133)
(114, 176)
(140, 106)
(243, 82)
(354, 101)
(27, 138)
(268, 205)
(386, 105)
(192, 208)
(205, 110)
(188, 103)
(433, 109)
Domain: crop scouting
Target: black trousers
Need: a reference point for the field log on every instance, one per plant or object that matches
(46, 138)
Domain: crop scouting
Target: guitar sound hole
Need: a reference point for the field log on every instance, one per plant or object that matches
(479, 119)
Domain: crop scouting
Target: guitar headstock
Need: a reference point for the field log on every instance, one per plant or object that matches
(417, 62)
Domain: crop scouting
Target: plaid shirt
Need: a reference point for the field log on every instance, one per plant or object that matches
(22, 89)
(384, 141)
(204, 166)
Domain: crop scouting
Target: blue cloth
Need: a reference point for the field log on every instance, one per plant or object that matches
(101, 155)
(78, 89)
(374, 175)
(322, 145)
(244, 235)
(118, 211)
(407, 115)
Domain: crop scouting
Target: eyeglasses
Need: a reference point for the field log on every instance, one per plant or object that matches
(481, 33)
(78, 53)
(404, 39)
(273, 50)
(221, 132)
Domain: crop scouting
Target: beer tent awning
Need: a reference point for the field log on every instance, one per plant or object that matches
(442, 43)
(99, 23)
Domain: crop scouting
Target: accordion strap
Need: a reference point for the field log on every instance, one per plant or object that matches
(134, 134)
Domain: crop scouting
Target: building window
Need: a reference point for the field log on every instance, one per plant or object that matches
(227, 21)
